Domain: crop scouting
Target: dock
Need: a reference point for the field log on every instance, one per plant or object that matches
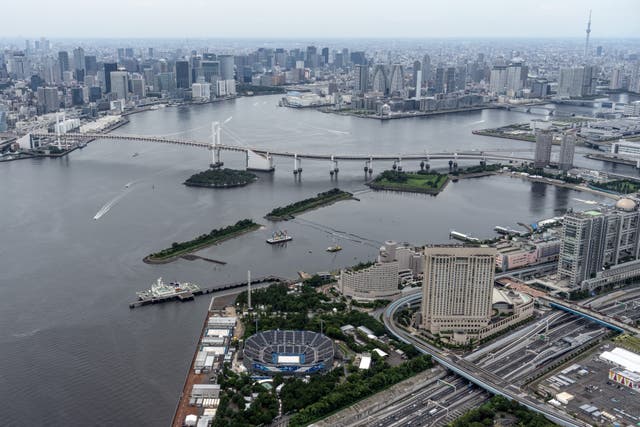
(190, 294)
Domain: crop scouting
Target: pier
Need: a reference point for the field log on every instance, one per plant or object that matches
(188, 295)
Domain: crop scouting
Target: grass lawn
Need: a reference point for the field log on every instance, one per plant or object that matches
(426, 183)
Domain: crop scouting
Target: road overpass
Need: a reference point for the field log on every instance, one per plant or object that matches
(593, 316)
(469, 370)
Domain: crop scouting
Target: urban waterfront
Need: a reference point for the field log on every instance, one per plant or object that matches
(68, 338)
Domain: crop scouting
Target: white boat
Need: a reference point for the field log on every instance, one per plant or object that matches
(279, 237)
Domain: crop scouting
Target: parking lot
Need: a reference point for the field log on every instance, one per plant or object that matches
(595, 398)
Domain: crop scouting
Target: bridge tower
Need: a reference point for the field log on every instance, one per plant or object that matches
(214, 147)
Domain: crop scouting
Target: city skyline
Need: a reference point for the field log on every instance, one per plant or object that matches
(433, 20)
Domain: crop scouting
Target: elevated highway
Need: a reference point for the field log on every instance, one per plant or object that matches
(470, 371)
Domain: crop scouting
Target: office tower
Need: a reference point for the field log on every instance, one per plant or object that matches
(457, 288)
(120, 53)
(109, 67)
(120, 84)
(226, 67)
(516, 78)
(150, 52)
(63, 62)
(544, 140)
(597, 239)
(138, 85)
(48, 101)
(77, 96)
(95, 93)
(79, 63)
(498, 80)
(128, 52)
(346, 57)
(90, 65)
(325, 55)
(634, 79)
(417, 66)
(361, 78)
(426, 70)
(380, 81)
(210, 71)
(439, 80)
(165, 82)
(311, 57)
(540, 88)
(576, 81)
(599, 51)
(396, 81)
(358, 58)
(616, 78)
(183, 75)
(567, 150)
(450, 79)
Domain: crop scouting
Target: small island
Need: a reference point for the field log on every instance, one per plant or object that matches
(177, 250)
(413, 182)
(221, 178)
(322, 199)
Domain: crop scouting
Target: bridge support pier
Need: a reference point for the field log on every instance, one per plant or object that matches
(296, 167)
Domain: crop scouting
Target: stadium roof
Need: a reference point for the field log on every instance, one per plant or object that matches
(621, 357)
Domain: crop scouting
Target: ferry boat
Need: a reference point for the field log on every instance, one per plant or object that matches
(159, 290)
(279, 237)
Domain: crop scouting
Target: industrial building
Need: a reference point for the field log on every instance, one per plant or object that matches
(626, 369)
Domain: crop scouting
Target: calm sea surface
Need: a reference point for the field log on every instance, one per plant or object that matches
(73, 353)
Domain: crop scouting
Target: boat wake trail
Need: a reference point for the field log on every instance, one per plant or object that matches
(338, 233)
(476, 123)
(111, 203)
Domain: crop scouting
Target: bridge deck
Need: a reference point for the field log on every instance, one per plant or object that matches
(467, 155)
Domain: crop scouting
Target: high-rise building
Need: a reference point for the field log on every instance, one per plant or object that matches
(417, 66)
(498, 80)
(439, 83)
(457, 288)
(63, 61)
(90, 65)
(226, 67)
(210, 71)
(426, 70)
(567, 150)
(77, 96)
(48, 101)
(379, 83)
(358, 58)
(544, 141)
(597, 239)
(109, 67)
(516, 77)
(616, 78)
(138, 85)
(120, 84)
(361, 78)
(576, 81)
(325, 55)
(79, 63)
(450, 80)
(396, 81)
(183, 75)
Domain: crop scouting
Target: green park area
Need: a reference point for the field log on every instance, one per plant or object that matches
(321, 199)
(415, 182)
(221, 178)
(178, 249)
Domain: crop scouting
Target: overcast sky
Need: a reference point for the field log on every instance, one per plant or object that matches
(319, 19)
